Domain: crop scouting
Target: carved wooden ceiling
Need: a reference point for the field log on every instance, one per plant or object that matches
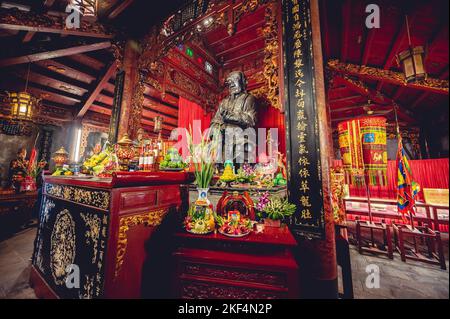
(74, 74)
(66, 67)
(362, 69)
(72, 71)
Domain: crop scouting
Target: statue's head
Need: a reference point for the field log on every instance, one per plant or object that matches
(236, 82)
(140, 134)
(22, 153)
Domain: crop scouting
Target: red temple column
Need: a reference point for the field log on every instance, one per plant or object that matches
(309, 149)
(130, 113)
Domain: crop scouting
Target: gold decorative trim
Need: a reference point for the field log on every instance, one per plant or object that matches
(96, 199)
(388, 76)
(271, 59)
(249, 6)
(137, 103)
(151, 219)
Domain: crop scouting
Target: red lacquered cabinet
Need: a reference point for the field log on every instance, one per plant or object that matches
(260, 266)
(101, 231)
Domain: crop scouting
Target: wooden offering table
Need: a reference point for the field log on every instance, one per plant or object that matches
(259, 266)
(100, 229)
(15, 210)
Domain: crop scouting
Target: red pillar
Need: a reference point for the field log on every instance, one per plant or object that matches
(130, 114)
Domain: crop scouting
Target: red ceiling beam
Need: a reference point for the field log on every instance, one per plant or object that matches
(166, 120)
(99, 87)
(239, 46)
(421, 98)
(48, 3)
(368, 46)
(54, 54)
(346, 18)
(148, 125)
(28, 36)
(345, 99)
(358, 106)
(120, 8)
(73, 32)
(398, 41)
(398, 93)
(163, 109)
(230, 62)
(402, 36)
(444, 74)
(240, 32)
(150, 122)
(377, 97)
(438, 86)
(425, 95)
(51, 93)
(341, 119)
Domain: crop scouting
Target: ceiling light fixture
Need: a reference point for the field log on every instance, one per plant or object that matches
(22, 104)
(412, 60)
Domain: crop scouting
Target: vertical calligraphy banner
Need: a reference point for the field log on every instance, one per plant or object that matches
(305, 168)
(117, 106)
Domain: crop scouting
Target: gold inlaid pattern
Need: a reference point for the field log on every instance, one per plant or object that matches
(97, 199)
(92, 235)
(151, 219)
(63, 247)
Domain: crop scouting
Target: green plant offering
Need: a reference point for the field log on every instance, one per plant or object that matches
(278, 209)
(203, 158)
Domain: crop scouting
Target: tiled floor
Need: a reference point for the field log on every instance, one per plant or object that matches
(397, 279)
(15, 259)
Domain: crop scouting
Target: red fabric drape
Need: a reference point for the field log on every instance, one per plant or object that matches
(188, 112)
(432, 173)
(269, 117)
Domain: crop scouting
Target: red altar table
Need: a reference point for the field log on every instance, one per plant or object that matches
(104, 228)
(260, 266)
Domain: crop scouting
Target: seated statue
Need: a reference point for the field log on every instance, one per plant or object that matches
(237, 111)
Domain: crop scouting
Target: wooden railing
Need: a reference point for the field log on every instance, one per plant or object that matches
(431, 216)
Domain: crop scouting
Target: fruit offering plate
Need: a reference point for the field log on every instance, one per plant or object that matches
(235, 235)
(166, 169)
(236, 229)
(192, 231)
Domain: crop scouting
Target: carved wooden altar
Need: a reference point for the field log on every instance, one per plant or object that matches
(104, 227)
(260, 266)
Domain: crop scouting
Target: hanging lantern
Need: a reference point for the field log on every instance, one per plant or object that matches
(158, 124)
(21, 104)
(412, 61)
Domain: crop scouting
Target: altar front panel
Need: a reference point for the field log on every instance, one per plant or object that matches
(72, 235)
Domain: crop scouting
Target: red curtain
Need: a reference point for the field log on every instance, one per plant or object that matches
(432, 173)
(188, 112)
(269, 117)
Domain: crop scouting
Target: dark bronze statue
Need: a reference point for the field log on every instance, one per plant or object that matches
(238, 109)
(237, 112)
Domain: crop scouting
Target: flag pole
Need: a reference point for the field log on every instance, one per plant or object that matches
(399, 136)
